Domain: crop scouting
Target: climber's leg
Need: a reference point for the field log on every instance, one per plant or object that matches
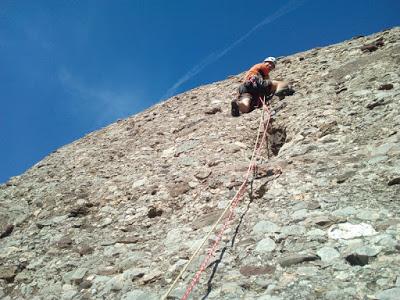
(245, 103)
(282, 89)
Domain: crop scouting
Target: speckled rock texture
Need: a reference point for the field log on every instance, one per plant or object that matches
(117, 214)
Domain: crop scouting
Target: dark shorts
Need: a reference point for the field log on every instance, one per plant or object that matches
(257, 88)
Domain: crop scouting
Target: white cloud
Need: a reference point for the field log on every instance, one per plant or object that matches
(213, 57)
(105, 104)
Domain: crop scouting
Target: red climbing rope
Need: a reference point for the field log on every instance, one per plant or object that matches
(263, 127)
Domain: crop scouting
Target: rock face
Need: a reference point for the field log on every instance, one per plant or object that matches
(118, 213)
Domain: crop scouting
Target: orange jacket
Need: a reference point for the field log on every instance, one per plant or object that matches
(258, 69)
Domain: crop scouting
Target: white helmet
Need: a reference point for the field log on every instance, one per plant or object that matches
(270, 59)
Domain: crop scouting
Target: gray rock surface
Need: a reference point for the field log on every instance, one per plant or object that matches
(389, 294)
(265, 245)
(117, 213)
(328, 254)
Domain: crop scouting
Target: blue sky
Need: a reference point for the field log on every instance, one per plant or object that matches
(70, 67)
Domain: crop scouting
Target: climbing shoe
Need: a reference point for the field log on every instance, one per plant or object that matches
(285, 92)
(235, 109)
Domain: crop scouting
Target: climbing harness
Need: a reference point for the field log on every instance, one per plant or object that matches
(260, 141)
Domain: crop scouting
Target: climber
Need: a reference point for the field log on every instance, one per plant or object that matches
(257, 84)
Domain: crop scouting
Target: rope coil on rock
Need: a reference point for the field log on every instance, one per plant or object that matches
(263, 127)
